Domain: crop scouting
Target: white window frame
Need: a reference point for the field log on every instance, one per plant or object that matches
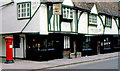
(67, 13)
(24, 10)
(92, 19)
(66, 42)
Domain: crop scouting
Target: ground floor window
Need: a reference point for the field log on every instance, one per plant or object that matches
(66, 42)
(116, 42)
(37, 43)
(107, 43)
(87, 43)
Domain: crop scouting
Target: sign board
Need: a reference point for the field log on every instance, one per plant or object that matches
(57, 9)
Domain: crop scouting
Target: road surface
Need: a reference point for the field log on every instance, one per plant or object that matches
(111, 63)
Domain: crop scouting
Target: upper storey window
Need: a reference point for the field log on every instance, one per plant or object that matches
(23, 10)
(93, 19)
(108, 21)
(67, 13)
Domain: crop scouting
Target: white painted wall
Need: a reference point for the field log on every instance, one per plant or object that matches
(43, 20)
(34, 24)
(94, 10)
(0, 45)
(98, 29)
(74, 23)
(9, 16)
(68, 2)
(112, 30)
(83, 23)
(66, 26)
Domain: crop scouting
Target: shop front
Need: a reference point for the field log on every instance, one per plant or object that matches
(106, 44)
(89, 45)
(116, 43)
(44, 47)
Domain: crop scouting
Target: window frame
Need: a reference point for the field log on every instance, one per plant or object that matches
(67, 13)
(110, 21)
(87, 44)
(24, 11)
(92, 23)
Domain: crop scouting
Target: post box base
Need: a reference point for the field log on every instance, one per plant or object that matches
(9, 61)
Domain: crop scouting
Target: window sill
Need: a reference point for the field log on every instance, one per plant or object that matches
(23, 18)
(108, 26)
(89, 49)
(93, 25)
(67, 20)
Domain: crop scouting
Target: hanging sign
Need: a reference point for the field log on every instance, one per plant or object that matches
(57, 9)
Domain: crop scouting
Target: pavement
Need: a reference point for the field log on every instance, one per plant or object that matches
(28, 64)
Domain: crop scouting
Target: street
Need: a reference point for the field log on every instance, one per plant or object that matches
(106, 62)
(111, 63)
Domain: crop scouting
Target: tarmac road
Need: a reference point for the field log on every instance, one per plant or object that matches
(111, 63)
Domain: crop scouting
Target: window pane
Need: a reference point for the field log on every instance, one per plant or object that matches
(28, 5)
(18, 15)
(28, 14)
(22, 6)
(22, 14)
(18, 6)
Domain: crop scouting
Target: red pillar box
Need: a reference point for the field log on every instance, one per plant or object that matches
(9, 51)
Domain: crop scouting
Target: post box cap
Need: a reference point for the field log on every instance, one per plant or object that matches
(9, 38)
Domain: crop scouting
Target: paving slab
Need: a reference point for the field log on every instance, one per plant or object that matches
(28, 64)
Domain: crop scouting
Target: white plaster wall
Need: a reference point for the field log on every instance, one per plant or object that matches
(0, 45)
(98, 29)
(68, 2)
(34, 24)
(51, 22)
(103, 18)
(55, 22)
(94, 10)
(43, 20)
(83, 23)
(74, 23)
(3, 47)
(9, 16)
(112, 30)
(66, 26)
(0, 20)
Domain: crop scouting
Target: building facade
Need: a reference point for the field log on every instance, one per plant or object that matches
(49, 30)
